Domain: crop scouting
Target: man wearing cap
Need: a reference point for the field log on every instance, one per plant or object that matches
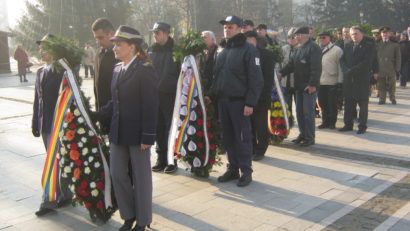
(356, 63)
(330, 80)
(47, 88)
(168, 72)
(262, 32)
(237, 86)
(247, 25)
(104, 65)
(307, 67)
(259, 117)
(389, 58)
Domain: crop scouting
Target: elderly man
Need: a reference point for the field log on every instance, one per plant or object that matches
(330, 79)
(356, 63)
(306, 65)
(389, 58)
(168, 71)
(237, 86)
(208, 60)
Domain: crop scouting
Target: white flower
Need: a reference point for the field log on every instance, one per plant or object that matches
(84, 151)
(69, 146)
(61, 134)
(85, 163)
(73, 179)
(65, 125)
(80, 144)
(77, 112)
(80, 120)
(64, 175)
(94, 193)
(191, 146)
(63, 151)
(91, 133)
(71, 164)
(64, 138)
(72, 188)
(93, 185)
(67, 169)
(81, 131)
(94, 150)
(97, 164)
(87, 170)
(83, 139)
(196, 162)
(90, 159)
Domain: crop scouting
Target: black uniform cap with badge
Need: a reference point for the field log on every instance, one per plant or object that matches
(129, 34)
(232, 19)
(161, 26)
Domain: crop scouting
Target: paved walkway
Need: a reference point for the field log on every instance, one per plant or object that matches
(344, 182)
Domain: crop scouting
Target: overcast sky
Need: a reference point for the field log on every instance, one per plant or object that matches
(16, 8)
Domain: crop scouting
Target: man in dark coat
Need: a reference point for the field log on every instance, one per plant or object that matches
(168, 72)
(356, 63)
(104, 66)
(237, 86)
(306, 63)
(259, 117)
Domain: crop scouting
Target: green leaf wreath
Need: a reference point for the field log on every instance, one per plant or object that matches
(190, 44)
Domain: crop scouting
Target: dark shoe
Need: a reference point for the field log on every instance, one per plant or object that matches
(307, 143)
(382, 102)
(127, 226)
(322, 126)
(139, 228)
(345, 129)
(25, 80)
(171, 168)
(332, 127)
(158, 167)
(228, 176)
(257, 157)
(244, 180)
(63, 203)
(43, 211)
(298, 139)
(394, 102)
(361, 131)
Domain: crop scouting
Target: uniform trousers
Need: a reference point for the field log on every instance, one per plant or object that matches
(260, 132)
(305, 113)
(62, 193)
(386, 84)
(237, 135)
(328, 104)
(134, 201)
(166, 109)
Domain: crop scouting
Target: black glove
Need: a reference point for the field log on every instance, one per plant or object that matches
(35, 132)
(94, 116)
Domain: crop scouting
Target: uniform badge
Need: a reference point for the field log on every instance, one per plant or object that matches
(257, 62)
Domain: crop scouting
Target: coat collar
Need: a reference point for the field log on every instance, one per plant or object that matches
(236, 41)
(128, 71)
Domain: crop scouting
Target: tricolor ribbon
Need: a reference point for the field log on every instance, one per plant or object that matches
(283, 105)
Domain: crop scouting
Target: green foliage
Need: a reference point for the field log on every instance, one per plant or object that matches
(190, 44)
(277, 52)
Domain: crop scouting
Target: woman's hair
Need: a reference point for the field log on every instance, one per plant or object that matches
(139, 51)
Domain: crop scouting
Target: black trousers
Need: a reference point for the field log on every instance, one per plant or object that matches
(260, 131)
(237, 135)
(350, 107)
(166, 108)
(328, 104)
(86, 67)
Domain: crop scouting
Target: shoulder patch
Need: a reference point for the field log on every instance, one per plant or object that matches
(257, 61)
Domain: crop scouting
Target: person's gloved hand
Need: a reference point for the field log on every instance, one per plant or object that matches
(35, 132)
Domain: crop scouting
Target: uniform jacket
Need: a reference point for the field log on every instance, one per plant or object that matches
(134, 105)
(45, 98)
(268, 71)
(237, 71)
(306, 64)
(166, 68)
(357, 66)
(331, 70)
(389, 58)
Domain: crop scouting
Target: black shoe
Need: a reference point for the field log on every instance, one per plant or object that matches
(244, 180)
(382, 102)
(345, 129)
(228, 176)
(127, 226)
(307, 143)
(361, 131)
(298, 139)
(63, 203)
(158, 167)
(394, 102)
(171, 168)
(43, 211)
(322, 126)
(25, 80)
(332, 127)
(139, 228)
(257, 157)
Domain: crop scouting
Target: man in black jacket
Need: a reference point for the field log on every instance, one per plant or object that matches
(237, 86)
(259, 117)
(104, 66)
(306, 64)
(356, 63)
(168, 72)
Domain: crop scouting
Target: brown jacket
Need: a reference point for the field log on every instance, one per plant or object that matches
(389, 58)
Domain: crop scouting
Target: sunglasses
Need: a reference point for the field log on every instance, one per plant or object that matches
(322, 37)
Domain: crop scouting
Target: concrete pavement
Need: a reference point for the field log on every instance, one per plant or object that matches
(344, 182)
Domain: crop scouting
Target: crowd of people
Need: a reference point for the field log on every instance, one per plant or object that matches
(135, 93)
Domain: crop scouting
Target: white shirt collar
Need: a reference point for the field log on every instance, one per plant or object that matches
(126, 66)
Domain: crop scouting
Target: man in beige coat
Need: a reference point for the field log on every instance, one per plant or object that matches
(389, 58)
